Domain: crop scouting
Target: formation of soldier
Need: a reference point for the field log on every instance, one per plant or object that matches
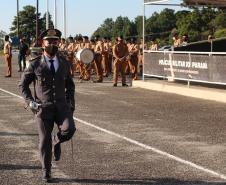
(116, 58)
(124, 56)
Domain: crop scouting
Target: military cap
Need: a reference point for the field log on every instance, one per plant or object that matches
(50, 34)
(120, 37)
(97, 37)
(133, 39)
(70, 38)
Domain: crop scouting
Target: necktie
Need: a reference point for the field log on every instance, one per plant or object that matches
(52, 67)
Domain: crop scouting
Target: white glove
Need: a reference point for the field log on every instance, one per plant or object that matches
(34, 106)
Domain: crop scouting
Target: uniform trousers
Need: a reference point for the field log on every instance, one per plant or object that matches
(98, 66)
(8, 62)
(45, 120)
(20, 59)
(133, 63)
(105, 64)
(120, 65)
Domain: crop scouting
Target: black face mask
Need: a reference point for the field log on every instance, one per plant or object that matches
(51, 50)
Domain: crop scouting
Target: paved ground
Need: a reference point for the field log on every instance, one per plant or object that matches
(125, 136)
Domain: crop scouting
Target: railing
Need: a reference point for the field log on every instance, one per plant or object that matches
(206, 67)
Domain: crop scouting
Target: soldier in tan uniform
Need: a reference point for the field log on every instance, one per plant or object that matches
(70, 49)
(85, 68)
(154, 45)
(141, 60)
(110, 55)
(70, 52)
(105, 57)
(63, 46)
(78, 46)
(8, 56)
(133, 49)
(92, 65)
(120, 52)
(176, 40)
(99, 48)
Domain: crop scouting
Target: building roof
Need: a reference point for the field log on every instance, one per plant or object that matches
(211, 3)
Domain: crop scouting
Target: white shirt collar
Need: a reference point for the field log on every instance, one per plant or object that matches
(56, 62)
(47, 58)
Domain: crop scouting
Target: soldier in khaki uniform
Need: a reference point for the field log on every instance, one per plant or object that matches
(8, 56)
(92, 65)
(85, 68)
(63, 46)
(110, 55)
(133, 49)
(120, 53)
(105, 57)
(70, 52)
(154, 45)
(141, 60)
(176, 40)
(99, 48)
(78, 64)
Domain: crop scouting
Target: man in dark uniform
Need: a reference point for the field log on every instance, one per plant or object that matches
(53, 99)
(23, 48)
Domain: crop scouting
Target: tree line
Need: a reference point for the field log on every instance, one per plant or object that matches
(196, 23)
(27, 23)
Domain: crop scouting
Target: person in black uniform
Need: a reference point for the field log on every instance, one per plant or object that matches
(23, 48)
(53, 99)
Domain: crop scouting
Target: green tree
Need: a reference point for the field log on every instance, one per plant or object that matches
(220, 20)
(220, 33)
(118, 27)
(27, 22)
(2, 34)
(191, 24)
(166, 20)
(152, 24)
(105, 30)
(127, 27)
(43, 22)
(139, 25)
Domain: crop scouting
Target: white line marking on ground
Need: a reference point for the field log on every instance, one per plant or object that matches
(11, 93)
(178, 159)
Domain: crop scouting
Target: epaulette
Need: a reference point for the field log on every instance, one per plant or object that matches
(35, 58)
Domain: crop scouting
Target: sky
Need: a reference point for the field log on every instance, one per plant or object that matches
(82, 16)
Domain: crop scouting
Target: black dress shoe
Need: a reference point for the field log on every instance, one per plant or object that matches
(7, 76)
(57, 152)
(114, 85)
(46, 177)
(124, 85)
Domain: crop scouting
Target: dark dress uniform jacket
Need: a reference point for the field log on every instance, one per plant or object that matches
(53, 92)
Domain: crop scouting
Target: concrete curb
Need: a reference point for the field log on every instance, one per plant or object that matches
(206, 93)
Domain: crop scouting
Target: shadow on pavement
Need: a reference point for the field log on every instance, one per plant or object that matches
(16, 134)
(154, 181)
(18, 167)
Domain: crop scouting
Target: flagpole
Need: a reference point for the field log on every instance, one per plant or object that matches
(47, 14)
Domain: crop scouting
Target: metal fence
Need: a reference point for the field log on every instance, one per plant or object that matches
(206, 67)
